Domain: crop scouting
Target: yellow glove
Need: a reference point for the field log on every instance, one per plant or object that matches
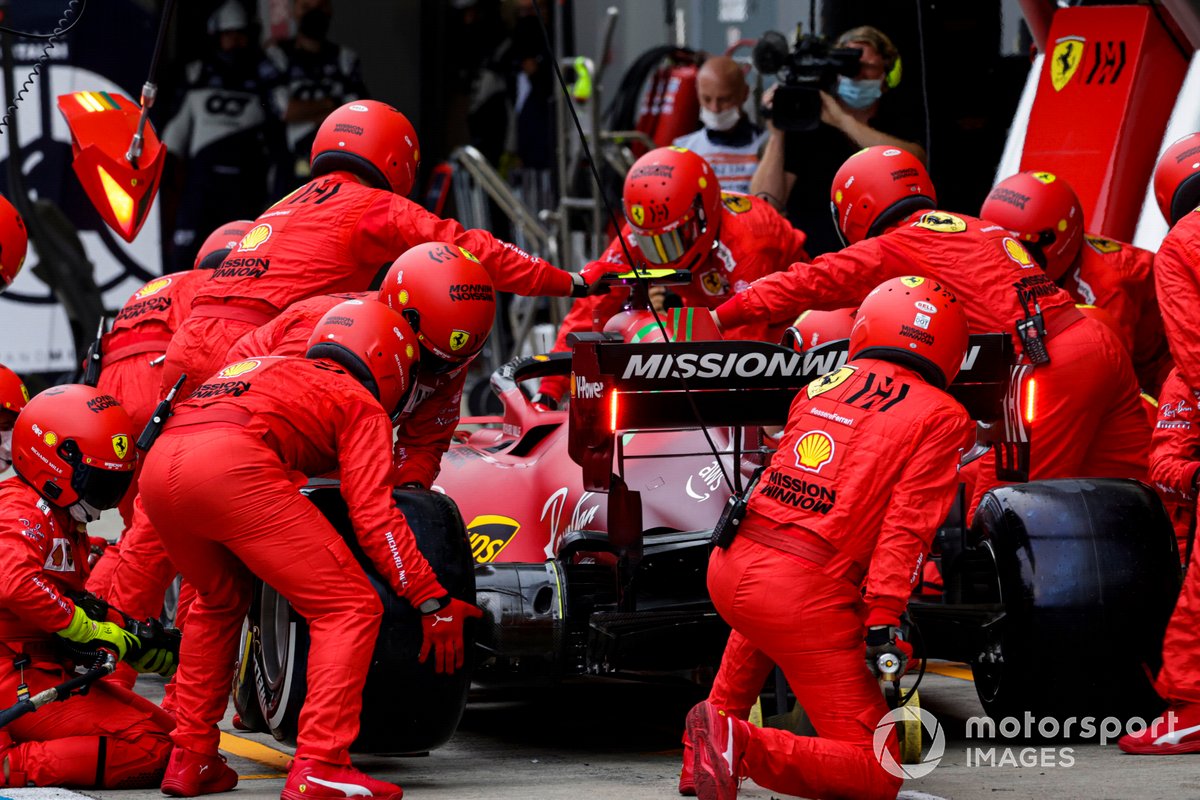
(87, 631)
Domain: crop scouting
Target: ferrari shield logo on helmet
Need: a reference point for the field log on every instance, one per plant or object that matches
(1064, 61)
(637, 214)
(912, 281)
(1044, 177)
(120, 445)
(459, 340)
(468, 255)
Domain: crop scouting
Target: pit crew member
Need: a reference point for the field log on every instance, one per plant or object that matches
(333, 235)
(677, 217)
(13, 397)
(1177, 274)
(431, 282)
(1042, 211)
(14, 241)
(1177, 262)
(448, 297)
(256, 425)
(1087, 415)
(143, 327)
(73, 452)
(865, 472)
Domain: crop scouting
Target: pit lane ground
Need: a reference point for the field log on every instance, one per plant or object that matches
(608, 739)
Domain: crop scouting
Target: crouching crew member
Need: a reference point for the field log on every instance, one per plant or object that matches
(865, 472)
(221, 486)
(74, 457)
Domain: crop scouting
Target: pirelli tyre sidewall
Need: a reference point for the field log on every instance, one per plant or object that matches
(407, 707)
(1088, 574)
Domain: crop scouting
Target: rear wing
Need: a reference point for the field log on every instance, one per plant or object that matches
(618, 387)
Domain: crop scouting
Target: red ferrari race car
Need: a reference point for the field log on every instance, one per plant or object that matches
(588, 531)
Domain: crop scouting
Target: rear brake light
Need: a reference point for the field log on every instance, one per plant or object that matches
(613, 404)
(1030, 400)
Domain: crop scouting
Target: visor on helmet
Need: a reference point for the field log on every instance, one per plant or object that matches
(670, 246)
(432, 363)
(100, 488)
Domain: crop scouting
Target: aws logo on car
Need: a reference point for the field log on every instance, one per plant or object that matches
(490, 534)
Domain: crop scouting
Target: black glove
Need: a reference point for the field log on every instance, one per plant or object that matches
(887, 652)
(587, 280)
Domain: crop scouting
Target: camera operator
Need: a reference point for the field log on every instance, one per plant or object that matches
(797, 167)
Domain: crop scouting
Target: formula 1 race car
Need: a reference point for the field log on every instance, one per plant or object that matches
(589, 532)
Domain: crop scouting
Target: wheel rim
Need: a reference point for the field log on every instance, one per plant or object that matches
(276, 635)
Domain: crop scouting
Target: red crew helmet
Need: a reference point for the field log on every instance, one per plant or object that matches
(1177, 178)
(14, 241)
(371, 140)
(1042, 210)
(220, 242)
(673, 206)
(448, 298)
(375, 344)
(876, 188)
(75, 446)
(815, 327)
(13, 394)
(915, 322)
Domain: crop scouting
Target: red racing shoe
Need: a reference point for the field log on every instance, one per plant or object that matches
(190, 774)
(1175, 733)
(719, 741)
(687, 778)
(316, 780)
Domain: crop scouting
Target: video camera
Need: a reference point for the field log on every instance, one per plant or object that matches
(811, 66)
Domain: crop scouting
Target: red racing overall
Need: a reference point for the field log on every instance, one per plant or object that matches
(1120, 279)
(1174, 464)
(1088, 416)
(754, 240)
(221, 485)
(139, 336)
(331, 235)
(865, 472)
(428, 420)
(1175, 454)
(1177, 278)
(108, 738)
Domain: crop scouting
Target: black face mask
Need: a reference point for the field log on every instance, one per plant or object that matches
(314, 24)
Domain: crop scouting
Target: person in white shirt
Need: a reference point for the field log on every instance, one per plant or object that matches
(729, 141)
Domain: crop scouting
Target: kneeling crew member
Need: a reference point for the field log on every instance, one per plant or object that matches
(74, 457)
(865, 472)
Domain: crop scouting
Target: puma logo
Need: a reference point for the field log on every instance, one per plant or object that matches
(439, 618)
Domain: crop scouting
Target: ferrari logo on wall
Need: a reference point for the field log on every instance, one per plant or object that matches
(1064, 61)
